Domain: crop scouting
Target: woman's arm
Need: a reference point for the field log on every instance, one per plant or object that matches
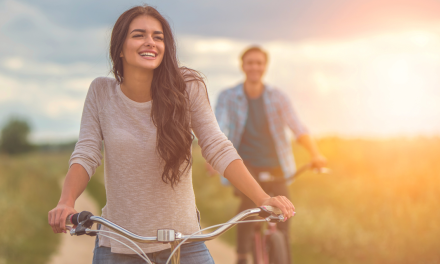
(85, 158)
(74, 184)
(240, 177)
(221, 154)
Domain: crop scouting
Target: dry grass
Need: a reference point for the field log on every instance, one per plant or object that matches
(377, 206)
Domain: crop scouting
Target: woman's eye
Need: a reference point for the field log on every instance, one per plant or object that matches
(159, 38)
(136, 36)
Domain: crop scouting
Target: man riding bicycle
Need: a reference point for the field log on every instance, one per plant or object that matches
(253, 115)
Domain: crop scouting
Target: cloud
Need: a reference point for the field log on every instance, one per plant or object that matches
(255, 20)
(28, 33)
(371, 83)
(381, 85)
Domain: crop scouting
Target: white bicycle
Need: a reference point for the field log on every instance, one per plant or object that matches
(85, 220)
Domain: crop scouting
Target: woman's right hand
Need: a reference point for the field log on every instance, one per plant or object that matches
(58, 215)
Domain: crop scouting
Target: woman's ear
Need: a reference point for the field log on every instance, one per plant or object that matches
(121, 55)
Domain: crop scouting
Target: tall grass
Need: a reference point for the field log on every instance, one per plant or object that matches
(29, 188)
(377, 206)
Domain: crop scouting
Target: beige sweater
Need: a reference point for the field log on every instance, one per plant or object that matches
(137, 198)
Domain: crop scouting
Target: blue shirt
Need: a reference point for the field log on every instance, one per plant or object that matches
(232, 111)
(256, 146)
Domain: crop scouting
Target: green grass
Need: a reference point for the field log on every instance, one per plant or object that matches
(379, 205)
(96, 189)
(29, 188)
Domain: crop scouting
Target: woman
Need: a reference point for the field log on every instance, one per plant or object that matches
(145, 117)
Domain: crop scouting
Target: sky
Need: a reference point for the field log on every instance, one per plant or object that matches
(350, 67)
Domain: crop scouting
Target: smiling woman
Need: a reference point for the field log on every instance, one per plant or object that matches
(146, 117)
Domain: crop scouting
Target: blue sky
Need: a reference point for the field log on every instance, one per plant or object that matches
(350, 67)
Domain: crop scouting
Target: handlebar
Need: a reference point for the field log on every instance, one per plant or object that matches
(84, 221)
(301, 170)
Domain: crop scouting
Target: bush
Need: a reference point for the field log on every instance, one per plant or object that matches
(14, 137)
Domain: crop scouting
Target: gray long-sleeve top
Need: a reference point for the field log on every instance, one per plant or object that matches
(137, 198)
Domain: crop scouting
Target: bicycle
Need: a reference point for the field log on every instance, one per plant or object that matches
(269, 244)
(85, 220)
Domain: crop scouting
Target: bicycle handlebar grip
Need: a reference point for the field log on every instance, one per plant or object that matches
(77, 218)
(72, 219)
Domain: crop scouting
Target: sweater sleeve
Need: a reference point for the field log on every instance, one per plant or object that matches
(216, 148)
(87, 151)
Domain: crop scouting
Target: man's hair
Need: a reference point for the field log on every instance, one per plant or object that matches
(252, 49)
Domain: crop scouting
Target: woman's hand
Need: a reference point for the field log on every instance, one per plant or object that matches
(58, 215)
(283, 204)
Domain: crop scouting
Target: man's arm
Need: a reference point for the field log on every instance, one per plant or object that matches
(318, 160)
(300, 131)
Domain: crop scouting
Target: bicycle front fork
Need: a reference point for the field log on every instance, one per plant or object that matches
(175, 259)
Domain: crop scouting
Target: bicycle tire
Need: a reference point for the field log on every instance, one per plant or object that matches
(277, 249)
(255, 247)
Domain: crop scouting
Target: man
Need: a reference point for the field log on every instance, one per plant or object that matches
(253, 115)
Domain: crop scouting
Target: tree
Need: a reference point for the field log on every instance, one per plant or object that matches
(14, 136)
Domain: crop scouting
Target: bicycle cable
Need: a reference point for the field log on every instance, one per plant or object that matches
(193, 234)
(111, 232)
(144, 258)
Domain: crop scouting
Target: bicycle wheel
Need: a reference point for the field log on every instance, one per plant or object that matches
(277, 249)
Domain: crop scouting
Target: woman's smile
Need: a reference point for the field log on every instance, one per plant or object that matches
(148, 54)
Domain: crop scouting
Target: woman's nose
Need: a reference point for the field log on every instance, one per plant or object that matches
(149, 42)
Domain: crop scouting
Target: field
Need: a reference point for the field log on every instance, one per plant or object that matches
(29, 188)
(377, 206)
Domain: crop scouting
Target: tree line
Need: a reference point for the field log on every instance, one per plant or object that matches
(14, 139)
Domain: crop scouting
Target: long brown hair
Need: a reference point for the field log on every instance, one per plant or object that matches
(170, 101)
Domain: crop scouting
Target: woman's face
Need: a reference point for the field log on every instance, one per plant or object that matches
(144, 45)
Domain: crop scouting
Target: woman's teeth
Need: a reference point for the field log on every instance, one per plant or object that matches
(147, 54)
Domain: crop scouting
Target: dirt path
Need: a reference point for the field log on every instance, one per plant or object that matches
(74, 250)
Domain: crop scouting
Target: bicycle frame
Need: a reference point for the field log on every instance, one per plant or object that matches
(170, 236)
(260, 236)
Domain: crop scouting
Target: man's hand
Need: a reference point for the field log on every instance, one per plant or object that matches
(319, 161)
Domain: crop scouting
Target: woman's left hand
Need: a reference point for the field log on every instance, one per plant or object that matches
(283, 204)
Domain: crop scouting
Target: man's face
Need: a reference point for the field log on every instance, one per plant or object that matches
(254, 66)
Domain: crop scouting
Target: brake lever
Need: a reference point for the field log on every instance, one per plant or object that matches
(271, 214)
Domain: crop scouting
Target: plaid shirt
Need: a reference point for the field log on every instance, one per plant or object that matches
(232, 111)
